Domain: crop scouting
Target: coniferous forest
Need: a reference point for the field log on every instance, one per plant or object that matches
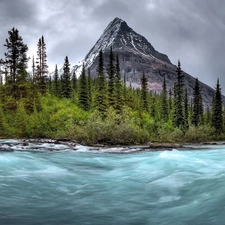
(103, 109)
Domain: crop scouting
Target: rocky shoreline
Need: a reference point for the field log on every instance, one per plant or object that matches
(10, 145)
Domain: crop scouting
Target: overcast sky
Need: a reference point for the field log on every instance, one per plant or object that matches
(190, 30)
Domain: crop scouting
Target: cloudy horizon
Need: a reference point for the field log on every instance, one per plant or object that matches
(191, 31)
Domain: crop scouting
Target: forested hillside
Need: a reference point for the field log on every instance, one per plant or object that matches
(103, 109)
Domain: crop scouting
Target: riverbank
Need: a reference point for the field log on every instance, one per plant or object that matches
(9, 145)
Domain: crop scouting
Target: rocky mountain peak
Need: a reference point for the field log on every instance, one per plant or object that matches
(120, 36)
(137, 55)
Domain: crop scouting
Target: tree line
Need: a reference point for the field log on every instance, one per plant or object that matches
(103, 108)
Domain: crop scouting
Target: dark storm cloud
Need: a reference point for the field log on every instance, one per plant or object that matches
(190, 30)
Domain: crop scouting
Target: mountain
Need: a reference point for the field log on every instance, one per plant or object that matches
(136, 55)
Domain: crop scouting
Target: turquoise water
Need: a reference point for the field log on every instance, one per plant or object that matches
(91, 187)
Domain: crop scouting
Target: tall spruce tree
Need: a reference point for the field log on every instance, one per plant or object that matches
(197, 114)
(74, 81)
(83, 91)
(56, 89)
(164, 101)
(33, 69)
(118, 87)
(66, 84)
(179, 119)
(89, 87)
(111, 78)
(186, 109)
(144, 92)
(170, 101)
(41, 66)
(153, 105)
(101, 96)
(217, 110)
(16, 57)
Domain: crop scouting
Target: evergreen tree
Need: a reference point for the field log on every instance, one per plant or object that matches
(217, 110)
(83, 91)
(66, 84)
(101, 97)
(111, 78)
(89, 87)
(197, 115)
(56, 89)
(186, 109)
(16, 56)
(179, 119)
(124, 88)
(164, 102)
(144, 92)
(74, 81)
(118, 87)
(41, 66)
(153, 106)
(208, 117)
(33, 69)
(2, 122)
(50, 84)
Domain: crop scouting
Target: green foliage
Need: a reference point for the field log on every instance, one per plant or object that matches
(199, 134)
(164, 102)
(114, 129)
(118, 88)
(15, 57)
(144, 92)
(41, 66)
(66, 84)
(217, 110)
(179, 120)
(2, 122)
(99, 110)
(83, 94)
(101, 90)
(111, 79)
(56, 85)
(197, 116)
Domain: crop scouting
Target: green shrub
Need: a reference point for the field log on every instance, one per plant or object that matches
(114, 129)
(199, 134)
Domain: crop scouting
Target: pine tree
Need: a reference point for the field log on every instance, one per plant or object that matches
(217, 110)
(153, 106)
(83, 91)
(16, 56)
(124, 88)
(144, 92)
(56, 89)
(208, 117)
(179, 119)
(101, 97)
(118, 88)
(111, 78)
(164, 102)
(89, 87)
(41, 66)
(74, 81)
(2, 122)
(186, 110)
(197, 115)
(66, 84)
(33, 69)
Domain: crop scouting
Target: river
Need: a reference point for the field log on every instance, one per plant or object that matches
(88, 186)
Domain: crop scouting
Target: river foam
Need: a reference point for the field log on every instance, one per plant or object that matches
(91, 186)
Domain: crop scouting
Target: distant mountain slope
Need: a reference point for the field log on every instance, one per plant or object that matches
(136, 55)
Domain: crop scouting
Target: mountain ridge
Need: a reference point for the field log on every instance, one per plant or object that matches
(137, 55)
